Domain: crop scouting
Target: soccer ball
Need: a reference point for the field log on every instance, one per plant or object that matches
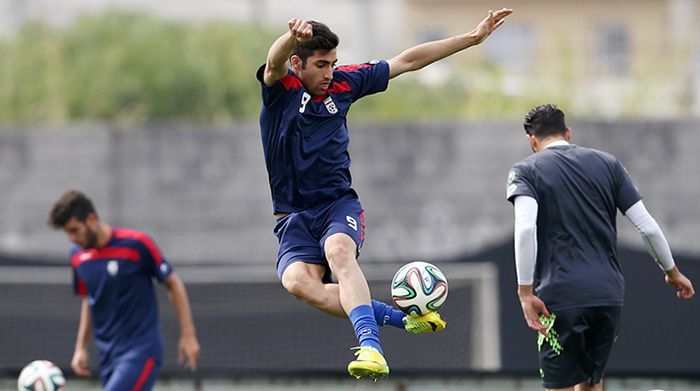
(418, 288)
(41, 375)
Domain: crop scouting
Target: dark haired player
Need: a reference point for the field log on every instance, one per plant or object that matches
(113, 269)
(570, 282)
(320, 222)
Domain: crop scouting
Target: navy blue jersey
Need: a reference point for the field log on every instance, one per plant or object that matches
(578, 192)
(305, 138)
(117, 282)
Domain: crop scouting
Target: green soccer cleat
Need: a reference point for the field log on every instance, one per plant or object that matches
(369, 363)
(427, 323)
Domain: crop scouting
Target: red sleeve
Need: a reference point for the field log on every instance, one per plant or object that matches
(78, 284)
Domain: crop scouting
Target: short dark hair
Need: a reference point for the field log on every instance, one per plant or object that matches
(322, 39)
(545, 120)
(72, 203)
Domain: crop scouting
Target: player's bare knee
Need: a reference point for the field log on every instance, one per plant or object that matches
(339, 255)
(295, 287)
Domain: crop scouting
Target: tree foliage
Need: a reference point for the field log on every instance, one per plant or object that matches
(132, 68)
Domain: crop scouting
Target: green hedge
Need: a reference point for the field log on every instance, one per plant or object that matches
(131, 68)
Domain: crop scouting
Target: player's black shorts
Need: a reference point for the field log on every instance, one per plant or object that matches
(578, 346)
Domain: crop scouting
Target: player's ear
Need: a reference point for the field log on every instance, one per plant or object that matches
(533, 142)
(296, 63)
(91, 218)
(567, 135)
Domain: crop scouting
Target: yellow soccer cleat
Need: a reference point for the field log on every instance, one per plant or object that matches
(369, 363)
(425, 323)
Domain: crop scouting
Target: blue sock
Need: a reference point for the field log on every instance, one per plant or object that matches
(366, 329)
(385, 314)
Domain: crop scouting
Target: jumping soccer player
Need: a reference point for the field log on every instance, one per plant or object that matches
(570, 282)
(112, 270)
(320, 222)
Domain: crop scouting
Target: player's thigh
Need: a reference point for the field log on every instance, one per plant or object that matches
(345, 216)
(562, 353)
(600, 338)
(297, 243)
(340, 250)
(136, 374)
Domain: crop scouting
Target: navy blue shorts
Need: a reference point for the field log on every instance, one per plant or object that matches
(302, 234)
(579, 348)
(134, 373)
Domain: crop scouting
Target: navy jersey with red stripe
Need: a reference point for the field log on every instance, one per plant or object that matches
(117, 280)
(305, 139)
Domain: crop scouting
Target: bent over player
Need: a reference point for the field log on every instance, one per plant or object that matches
(570, 281)
(320, 221)
(113, 269)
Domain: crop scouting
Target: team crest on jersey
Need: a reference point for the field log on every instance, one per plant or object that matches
(511, 177)
(113, 268)
(330, 105)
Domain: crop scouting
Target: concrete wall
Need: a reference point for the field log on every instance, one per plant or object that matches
(429, 190)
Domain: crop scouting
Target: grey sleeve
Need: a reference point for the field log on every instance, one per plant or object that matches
(654, 239)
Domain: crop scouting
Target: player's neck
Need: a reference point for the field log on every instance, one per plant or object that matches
(104, 234)
(542, 144)
(550, 141)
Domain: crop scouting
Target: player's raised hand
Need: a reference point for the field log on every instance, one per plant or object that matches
(188, 352)
(300, 29)
(79, 363)
(676, 279)
(492, 21)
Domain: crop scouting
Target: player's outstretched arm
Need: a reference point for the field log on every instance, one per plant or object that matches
(427, 53)
(188, 347)
(657, 246)
(79, 363)
(276, 65)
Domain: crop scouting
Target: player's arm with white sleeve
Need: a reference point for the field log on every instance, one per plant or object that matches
(657, 246)
(188, 347)
(427, 53)
(525, 257)
(79, 362)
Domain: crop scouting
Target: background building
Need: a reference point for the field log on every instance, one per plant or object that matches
(615, 58)
(619, 58)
